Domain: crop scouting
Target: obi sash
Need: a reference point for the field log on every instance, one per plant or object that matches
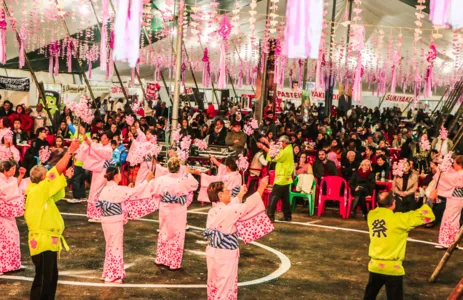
(458, 192)
(220, 240)
(235, 191)
(109, 163)
(109, 209)
(167, 198)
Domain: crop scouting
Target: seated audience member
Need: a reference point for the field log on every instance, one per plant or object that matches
(19, 136)
(349, 166)
(323, 167)
(362, 185)
(381, 169)
(119, 156)
(218, 134)
(236, 138)
(404, 188)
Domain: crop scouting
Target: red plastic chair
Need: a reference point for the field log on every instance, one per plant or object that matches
(266, 195)
(263, 173)
(369, 200)
(332, 192)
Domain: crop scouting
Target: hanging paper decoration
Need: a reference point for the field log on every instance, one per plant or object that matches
(104, 35)
(54, 50)
(224, 32)
(92, 56)
(432, 55)
(206, 69)
(396, 59)
(359, 31)
(110, 68)
(127, 30)
(3, 26)
(439, 12)
(455, 17)
(22, 45)
(304, 20)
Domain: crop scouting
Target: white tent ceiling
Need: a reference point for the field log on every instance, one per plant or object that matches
(392, 17)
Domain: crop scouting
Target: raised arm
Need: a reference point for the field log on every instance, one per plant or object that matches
(64, 161)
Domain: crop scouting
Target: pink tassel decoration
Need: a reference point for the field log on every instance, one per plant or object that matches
(206, 69)
(224, 32)
(3, 26)
(104, 35)
(432, 54)
(240, 77)
(304, 20)
(110, 68)
(319, 76)
(301, 68)
(90, 70)
(439, 12)
(22, 47)
(127, 27)
(69, 55)
(358, 46)
(54, 49)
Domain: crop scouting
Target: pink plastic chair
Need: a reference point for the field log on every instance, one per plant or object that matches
(332, 192)
(263, 173)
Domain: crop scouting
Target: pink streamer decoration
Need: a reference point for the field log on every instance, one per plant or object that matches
(104, 35)
(3, 26)
(54, 50)
(224, 32)
(69, 55)
(206, 69)
(22, 46)
(432, 55)
(439, 12)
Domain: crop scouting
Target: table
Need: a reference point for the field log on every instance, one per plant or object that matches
(386, 184)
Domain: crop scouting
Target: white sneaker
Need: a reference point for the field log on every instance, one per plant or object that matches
(94, 221)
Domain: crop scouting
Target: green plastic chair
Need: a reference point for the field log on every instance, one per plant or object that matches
(310, 197)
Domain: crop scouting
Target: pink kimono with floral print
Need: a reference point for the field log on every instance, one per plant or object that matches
(137, 202)
(146, 166)
(173, 217)
(450, 224)
(250, 222)
(94, 158)
(231, 181)
(11, 206)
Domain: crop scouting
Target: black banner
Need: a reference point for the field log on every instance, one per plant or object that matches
(14, 84)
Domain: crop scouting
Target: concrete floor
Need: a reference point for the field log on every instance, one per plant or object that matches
(326, 263)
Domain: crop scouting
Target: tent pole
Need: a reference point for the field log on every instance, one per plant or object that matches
(178, 68)
(115, 67)
(192, 74)
(29, 66)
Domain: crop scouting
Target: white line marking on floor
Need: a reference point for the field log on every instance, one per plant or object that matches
(351, 230)
(285, 265)
(200, 253)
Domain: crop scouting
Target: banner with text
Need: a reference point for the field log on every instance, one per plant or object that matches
(14, 84)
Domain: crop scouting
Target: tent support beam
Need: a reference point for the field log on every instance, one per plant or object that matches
(178, 69)
(29, 66)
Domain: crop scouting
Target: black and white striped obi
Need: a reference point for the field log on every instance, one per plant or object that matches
(167, 198)
(220, 240)
(458, 192)
(109, 209)
(235, 191)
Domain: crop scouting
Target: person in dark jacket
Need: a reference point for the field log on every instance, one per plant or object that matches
(380, 167)
(349, 165)
(323, 166)
(6, 109)
(218, 135)
(362, 185)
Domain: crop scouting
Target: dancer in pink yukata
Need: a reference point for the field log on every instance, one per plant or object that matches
(175, 191)
(11, 206)
(114, 201)
(228, 173)
(451, 187)
(226, 221)
(96, 158)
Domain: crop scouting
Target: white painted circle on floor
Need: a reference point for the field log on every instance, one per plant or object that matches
(285, 265)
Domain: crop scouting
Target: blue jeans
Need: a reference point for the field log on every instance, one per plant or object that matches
(78, 183)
